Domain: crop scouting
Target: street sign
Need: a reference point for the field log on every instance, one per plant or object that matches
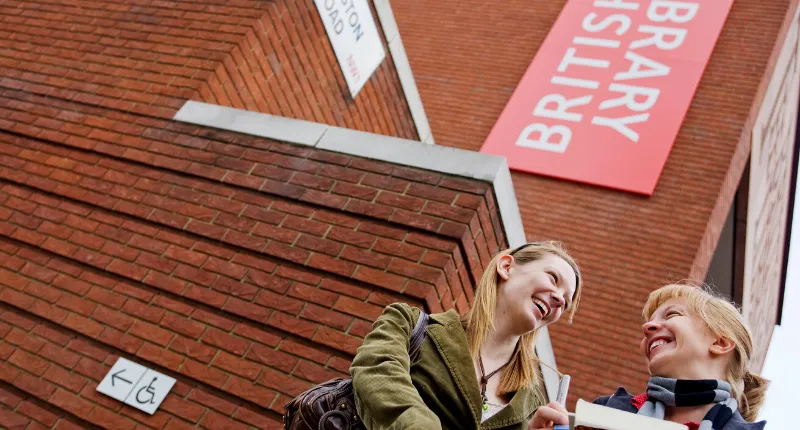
(354, 38)
(136, 385)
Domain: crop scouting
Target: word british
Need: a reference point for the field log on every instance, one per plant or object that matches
(603, 28)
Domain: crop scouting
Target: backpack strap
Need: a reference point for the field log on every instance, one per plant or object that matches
(418, 335)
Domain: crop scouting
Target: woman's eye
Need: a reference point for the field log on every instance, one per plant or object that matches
(673, 313)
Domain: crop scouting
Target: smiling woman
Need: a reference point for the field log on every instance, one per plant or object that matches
(697, 348)
(474, 371)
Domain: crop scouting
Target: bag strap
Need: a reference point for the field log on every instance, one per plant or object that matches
(418, 335)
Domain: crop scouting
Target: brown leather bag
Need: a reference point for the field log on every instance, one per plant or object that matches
(331, 405)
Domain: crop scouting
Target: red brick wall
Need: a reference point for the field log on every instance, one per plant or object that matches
(247, 269)
(773, 140)
(467, 62)
(149, 56)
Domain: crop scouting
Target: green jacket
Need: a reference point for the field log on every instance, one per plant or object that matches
(441, 389)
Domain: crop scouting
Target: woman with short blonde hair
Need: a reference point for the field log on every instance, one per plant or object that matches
(698, 349)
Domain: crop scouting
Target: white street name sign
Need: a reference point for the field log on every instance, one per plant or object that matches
(136, 385)
(354, 37)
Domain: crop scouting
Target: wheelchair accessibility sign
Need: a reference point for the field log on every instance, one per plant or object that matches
(136, 385)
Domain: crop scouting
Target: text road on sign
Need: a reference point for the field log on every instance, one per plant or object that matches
(354, 38)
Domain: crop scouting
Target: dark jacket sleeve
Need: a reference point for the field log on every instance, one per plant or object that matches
(601, 400)
(385, 396)
(621, 400)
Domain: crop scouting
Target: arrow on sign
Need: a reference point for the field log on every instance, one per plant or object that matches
(115, 375)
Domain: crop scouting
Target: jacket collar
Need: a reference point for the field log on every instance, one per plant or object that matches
(738, 423)
(450, 339)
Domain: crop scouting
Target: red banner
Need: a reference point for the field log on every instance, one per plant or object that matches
(605, 97)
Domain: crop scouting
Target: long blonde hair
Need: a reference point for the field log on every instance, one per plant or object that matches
(522, 370)
(724, 320)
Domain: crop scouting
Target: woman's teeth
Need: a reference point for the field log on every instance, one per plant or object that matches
(658, 343)
(542, 307)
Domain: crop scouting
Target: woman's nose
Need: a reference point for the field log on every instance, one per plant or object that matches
(557, 300)
(650, 327)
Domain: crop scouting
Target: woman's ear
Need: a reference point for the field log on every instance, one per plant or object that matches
(504, 266)
(721, 346)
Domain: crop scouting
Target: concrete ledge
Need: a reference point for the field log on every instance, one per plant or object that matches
(443, 159)
(411, 153)
(403, 67)
(252, 123)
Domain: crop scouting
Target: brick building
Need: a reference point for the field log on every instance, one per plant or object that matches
(247, 265)
(729, 178)
(191, 186)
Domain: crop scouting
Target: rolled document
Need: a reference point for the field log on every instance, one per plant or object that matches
(561, 398)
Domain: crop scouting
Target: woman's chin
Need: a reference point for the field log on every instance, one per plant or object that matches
(530, 324)
(659, 367)
(535, 320)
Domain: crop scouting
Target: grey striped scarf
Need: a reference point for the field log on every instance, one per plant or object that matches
(663, 392)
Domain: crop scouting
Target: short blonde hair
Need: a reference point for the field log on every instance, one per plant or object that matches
(724, 320)
(522, 371)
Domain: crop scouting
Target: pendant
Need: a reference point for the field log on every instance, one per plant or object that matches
(485, 404)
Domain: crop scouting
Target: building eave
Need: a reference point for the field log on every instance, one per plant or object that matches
(453, 161)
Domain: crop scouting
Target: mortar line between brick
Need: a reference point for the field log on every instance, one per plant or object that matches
(61, 413)
(195, 236)
(119, 352)
(185, 300)
(183, 174)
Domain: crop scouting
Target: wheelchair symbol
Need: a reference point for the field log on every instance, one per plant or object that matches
(149, 390)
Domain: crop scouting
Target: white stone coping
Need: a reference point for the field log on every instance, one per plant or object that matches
(411, 153)
(403, 67)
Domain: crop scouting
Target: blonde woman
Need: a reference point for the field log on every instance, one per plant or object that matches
(697, 348)
(476, 371)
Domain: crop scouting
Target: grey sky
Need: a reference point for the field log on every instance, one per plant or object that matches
(781, 365)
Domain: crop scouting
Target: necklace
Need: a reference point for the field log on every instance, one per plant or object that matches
(485, 379)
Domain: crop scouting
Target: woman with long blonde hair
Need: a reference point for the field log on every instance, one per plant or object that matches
(697, 348)
(473, 371)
